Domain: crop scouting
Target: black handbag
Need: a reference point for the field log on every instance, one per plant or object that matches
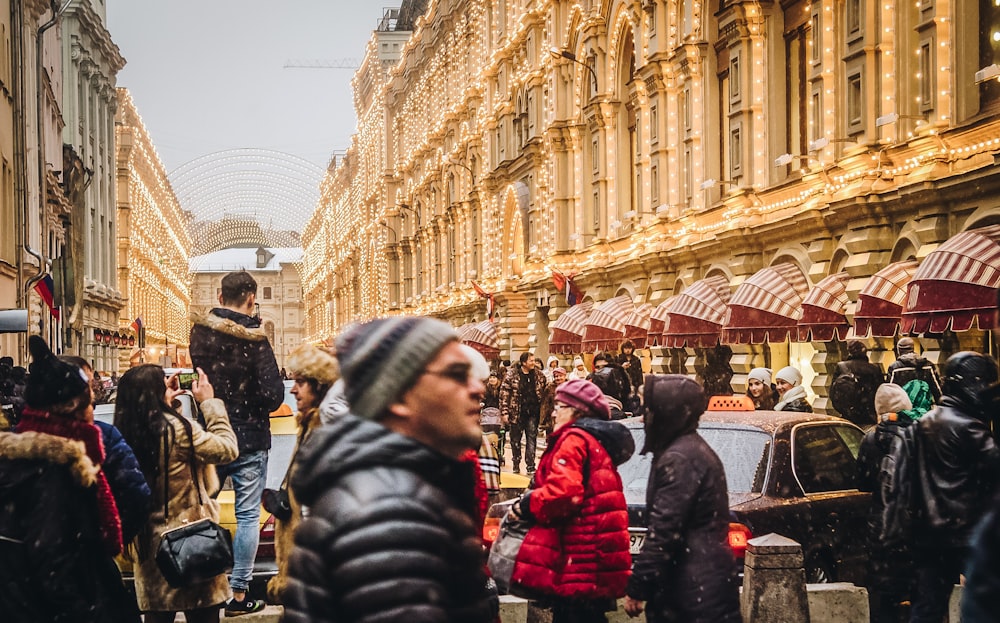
(276, 502)
(196, 551)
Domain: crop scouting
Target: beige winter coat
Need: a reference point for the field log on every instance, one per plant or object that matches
(213, 446)
(284, 531)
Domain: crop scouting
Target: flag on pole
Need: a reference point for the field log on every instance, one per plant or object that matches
(566, 285)
(137, 324)
(490, 303)
(45, 289)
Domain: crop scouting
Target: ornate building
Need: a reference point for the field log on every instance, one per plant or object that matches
(731, 164)
(278, 272)
(36, 175)
(91, 62)
(153, 247)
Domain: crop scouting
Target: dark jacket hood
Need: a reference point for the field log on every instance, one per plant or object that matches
(351, 443)
(674, 404)
(612, 435)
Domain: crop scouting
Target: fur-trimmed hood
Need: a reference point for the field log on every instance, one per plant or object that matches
(51, 449)
(228, 326)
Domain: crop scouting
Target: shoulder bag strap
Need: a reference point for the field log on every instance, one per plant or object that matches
(166, 469)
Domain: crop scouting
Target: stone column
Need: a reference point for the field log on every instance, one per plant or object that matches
(774, 582)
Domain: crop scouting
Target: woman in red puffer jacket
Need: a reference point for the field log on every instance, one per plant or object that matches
(577, 551)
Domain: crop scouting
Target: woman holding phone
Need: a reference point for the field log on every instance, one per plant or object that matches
(169, 447)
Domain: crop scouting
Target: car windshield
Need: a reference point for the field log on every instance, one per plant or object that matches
(743, 450)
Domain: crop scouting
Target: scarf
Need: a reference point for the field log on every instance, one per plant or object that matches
(791, 396)
(65, 426)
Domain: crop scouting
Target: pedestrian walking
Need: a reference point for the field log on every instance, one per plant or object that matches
(761, 390)
(392, 529)
(128, 483)
(547, 420)
(632, 365)
(613, 382)
(313, 372)
(685, 572)
(889, 591)
(177, 456)
(909, 365)
(957, 468)
(227, 343)
(791, 394)
(852, 389)
(520, 405)
(490, 418)
(576, 554)
(59, 529)
(579, 370)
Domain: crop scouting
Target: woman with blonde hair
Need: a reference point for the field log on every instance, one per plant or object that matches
(177, 456)
(313, 371)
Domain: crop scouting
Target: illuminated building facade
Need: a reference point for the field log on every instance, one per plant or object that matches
(649, 145)
(278, 272)
(153, 247)
(91, 61)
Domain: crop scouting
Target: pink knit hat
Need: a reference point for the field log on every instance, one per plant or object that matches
(585, 397)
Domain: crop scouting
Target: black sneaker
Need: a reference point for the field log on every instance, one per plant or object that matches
(247, 606)
(531, 469)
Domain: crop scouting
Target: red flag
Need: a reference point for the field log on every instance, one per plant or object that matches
(45, 290)
(490, 307)
(479, 290)
(559, 280)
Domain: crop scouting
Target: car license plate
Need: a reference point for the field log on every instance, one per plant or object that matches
(635, 542)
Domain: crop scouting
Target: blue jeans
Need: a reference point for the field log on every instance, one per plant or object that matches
(249, 474)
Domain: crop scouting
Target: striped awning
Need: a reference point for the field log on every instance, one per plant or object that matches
(658, 319)
(880, 302)
(483, 337)
(696, 315)
(463, 330)
(605, 328)
(767, 306)
(637, 325)
(566, 332)
(956, 284)
(824, 310)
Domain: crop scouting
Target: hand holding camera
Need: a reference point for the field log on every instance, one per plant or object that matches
(201, 389)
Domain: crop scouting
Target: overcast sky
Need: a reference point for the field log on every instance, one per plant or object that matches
(207, 75)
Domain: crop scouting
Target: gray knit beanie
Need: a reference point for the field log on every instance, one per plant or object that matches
(891, 398)
(381, 358)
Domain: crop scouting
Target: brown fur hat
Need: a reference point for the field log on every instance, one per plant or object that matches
(310, 362)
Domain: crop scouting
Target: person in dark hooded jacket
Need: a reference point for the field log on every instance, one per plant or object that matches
(577, 551)
(957, 463)
(685, 571)
(393, 530)
(59, 525)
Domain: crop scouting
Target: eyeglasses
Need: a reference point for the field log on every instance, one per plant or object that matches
(458, 372)
(560, 405)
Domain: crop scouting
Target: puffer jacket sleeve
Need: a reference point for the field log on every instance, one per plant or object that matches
(674, 484)
(271, 391)
(216, 443)
(127, 482)
(561, 495)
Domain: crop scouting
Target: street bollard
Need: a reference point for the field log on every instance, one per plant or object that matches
(774, 582)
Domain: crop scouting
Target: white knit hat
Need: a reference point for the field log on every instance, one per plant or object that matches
(891, 398)
(789, 375)
(760, 374)
(577, 362)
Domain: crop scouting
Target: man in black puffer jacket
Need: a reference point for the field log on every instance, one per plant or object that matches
(228, 345)
(957, 463)
(392, 532)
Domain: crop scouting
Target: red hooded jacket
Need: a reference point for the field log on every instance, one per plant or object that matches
(579, 546)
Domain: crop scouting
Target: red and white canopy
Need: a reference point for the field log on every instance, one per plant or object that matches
(696, 315)
(658, 319)
(956, 284)
(637, 325)
(824, 310)
(767, 306)
(483, 337)
(605, 328)
(566, 332)
(880, 302)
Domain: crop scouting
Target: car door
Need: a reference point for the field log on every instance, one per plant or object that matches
(824, 462)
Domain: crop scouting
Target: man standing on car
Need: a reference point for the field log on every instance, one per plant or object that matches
(392, 531)
(521, 394)
(228, 345)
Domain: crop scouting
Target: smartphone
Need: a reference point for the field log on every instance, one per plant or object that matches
(186, 379)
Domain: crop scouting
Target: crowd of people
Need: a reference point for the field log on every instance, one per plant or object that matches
(401, 435)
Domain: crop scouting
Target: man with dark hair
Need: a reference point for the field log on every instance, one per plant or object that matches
(228, 345)
(392, 532)
(521, 394)
(854, 383)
